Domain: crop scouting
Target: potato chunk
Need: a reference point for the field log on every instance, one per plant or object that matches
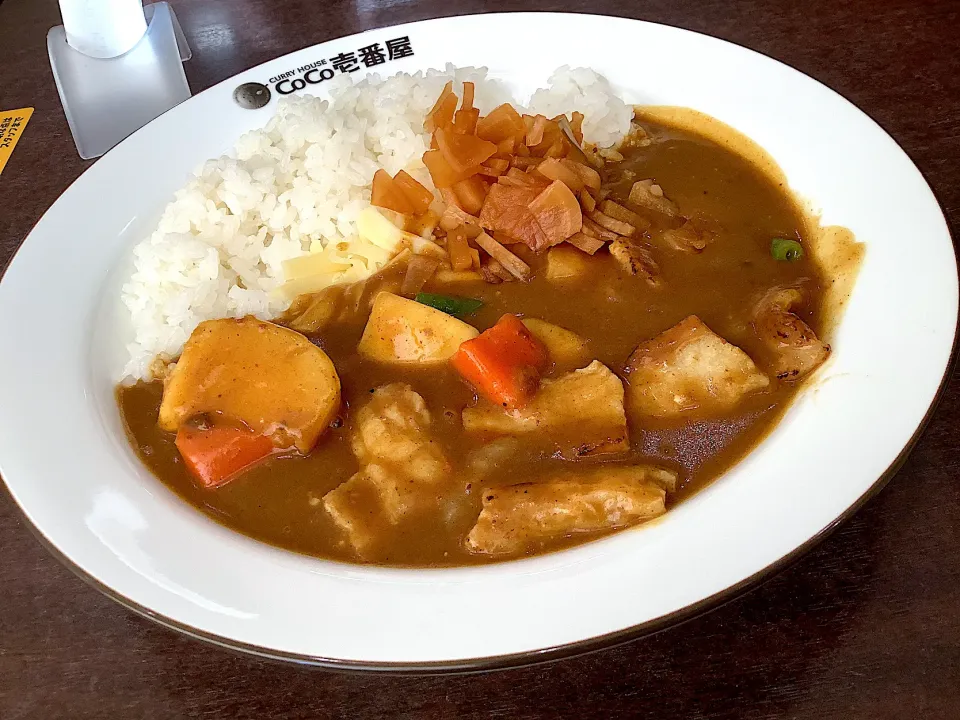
(520, 517)
(579, 414)
(402, 468)
(689, 367)
(405, 332)
(271, 378)
(566, 263)
(566, 349)
(793, 345)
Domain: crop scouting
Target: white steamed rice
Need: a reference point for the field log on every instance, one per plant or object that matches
(297, 186)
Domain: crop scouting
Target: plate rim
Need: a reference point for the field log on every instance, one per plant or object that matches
(530, 658)
(550, 654)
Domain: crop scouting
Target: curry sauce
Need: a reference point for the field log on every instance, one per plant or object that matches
(280, 500)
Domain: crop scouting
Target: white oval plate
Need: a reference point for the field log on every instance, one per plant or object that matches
(68, 465)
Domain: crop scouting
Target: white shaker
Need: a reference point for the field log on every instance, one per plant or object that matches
(103, 28)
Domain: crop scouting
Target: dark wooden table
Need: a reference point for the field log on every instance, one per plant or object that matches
(865, 626)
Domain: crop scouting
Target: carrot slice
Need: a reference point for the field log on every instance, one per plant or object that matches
(503, 363)
(463, 152)
(415, 193)
(442, 174)
(386, 194)
(216, 455)
(557, 212)
(503, 123)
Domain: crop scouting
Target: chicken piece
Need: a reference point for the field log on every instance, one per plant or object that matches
(269, 377)
(579, 414)
(348, 506)
(396, 453)
(689, 367)
(400, 464)
(517, 518)
(635, 260)
(794, 347)
(405, 332)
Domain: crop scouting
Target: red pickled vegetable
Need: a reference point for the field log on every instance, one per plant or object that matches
(386, 194)
(463, 152)
(416, 194)
(503, 123)
(442, 173)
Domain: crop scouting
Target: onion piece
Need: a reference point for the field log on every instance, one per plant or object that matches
(514, 265)
(419, 270)
(612, 224)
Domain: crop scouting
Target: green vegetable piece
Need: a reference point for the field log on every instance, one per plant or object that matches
(450, 304)
(785, 249)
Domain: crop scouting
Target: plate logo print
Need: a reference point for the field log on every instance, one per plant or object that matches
(325, 69)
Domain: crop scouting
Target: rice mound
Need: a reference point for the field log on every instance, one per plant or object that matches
(297, 185)
(606, 117)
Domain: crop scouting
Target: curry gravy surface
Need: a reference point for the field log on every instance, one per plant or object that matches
(279, 501)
